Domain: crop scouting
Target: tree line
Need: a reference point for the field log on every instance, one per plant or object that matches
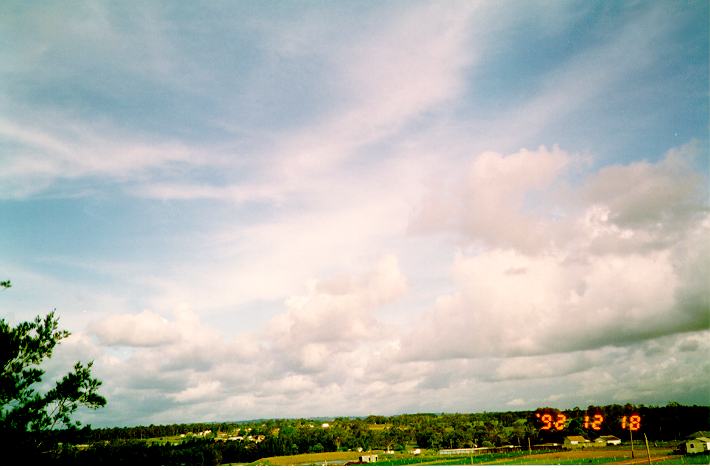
(276, 437)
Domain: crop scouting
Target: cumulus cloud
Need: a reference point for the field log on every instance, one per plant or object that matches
(615, 269)
(489, 203)
(334, 316)
(561, 298)
(663, 196)
(200, 392)
(318, 348)
(143, 329)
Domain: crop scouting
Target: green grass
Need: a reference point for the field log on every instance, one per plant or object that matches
(585, 461)
(403, 461)
(436, 459)
(162, 440)
(697, 459)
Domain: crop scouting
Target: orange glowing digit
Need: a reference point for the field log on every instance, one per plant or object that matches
(635, 422)
(547, 419)
(623, 422)
(597, 423)
(560, 423)
(586, 422)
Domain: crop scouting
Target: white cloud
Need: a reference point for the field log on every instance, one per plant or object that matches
(62, 148)
(516, 402)
(334, 317)
(143, 329)
(489, 203)
(661, 198)
(200, 392)
(543, 313)
(421, 66)
(587, 283)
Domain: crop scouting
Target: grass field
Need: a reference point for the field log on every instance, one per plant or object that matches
(330, 458)
(604, 456)
(433, 458)
(163, 440)
(698, 459)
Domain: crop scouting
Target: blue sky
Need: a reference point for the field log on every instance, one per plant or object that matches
(264, 209)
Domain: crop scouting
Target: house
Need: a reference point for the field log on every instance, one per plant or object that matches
(698, 445)
(575, 441)
(608, 440)
(368, 458)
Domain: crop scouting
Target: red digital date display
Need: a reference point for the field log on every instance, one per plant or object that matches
(550, 420)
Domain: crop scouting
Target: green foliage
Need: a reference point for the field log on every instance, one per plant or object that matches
(23, 407)
(317, 447)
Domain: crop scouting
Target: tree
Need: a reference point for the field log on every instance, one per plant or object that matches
(23, 407)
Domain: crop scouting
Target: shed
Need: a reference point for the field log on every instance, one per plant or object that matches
(698, 445)
(574, 441)
(608, 440)
(368, 458)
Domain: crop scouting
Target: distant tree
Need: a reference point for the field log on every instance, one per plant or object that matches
(22, 406)
(430, 437)
(316, 448)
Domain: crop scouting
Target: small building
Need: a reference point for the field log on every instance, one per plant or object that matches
(698, 445)
(575, 441)
(368, 458)
(608, 440)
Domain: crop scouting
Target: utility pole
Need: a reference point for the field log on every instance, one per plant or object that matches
(648, 451)
(631, 437)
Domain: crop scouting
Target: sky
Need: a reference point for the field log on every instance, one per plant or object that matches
(265, 209)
